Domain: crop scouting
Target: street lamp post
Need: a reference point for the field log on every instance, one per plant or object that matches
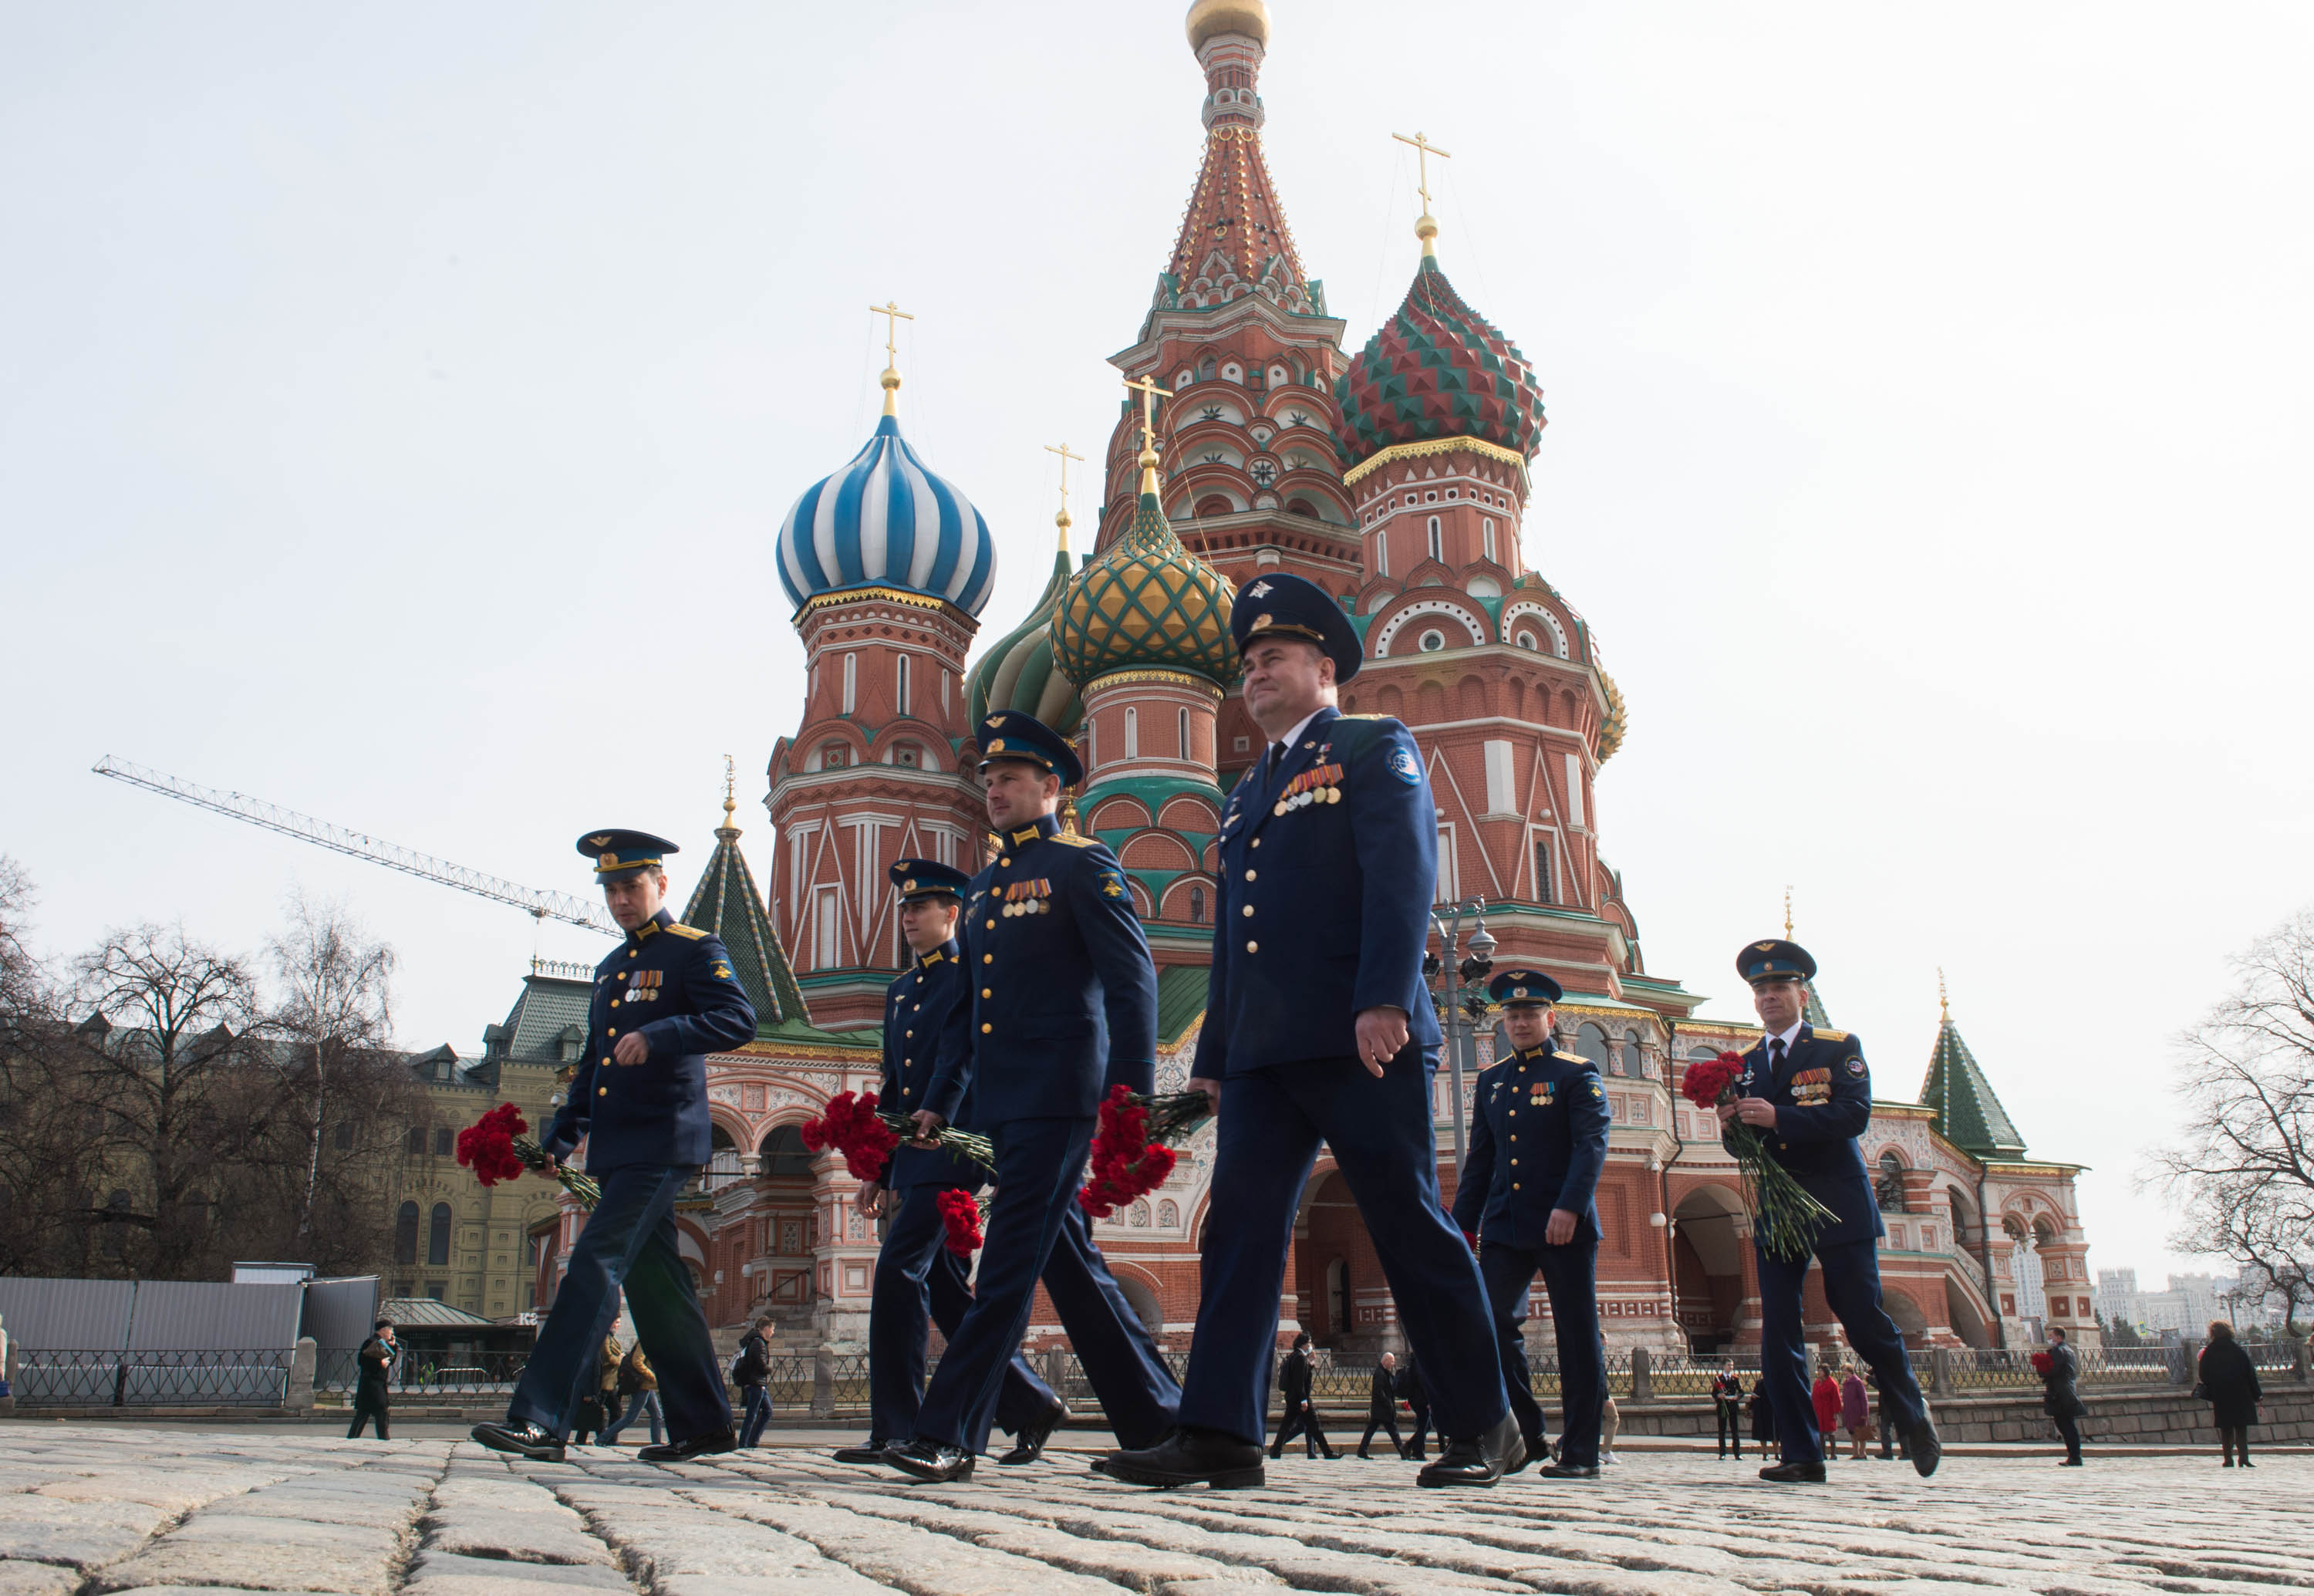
(1460, 1009)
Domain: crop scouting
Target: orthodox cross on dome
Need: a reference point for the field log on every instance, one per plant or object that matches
(1788, 916)
(893, 316)
(1061, 520)
(1425, 226)
(731, 793)
(1944, 1002)
(1150, 394)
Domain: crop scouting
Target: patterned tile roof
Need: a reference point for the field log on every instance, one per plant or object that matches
(1148, 602)
(1967, 1113)
(1018, 672)
(1437, 369)
(726, 902)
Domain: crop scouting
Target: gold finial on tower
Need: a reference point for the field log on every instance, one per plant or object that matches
(1150, 394)
(1787, 913)
(893, 316)
(1426, 225)
(730, 792)
(1061, 520)
(1944, 1003)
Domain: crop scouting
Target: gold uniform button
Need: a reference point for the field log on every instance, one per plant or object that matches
(613, 1031)
(1248, 875)
(634, 953)
(985, 1028)
(1514, 1135)
(602, 1091)
(1256, 842)
(988, 925)
(910, 1033)
(1513, 1163)
(1003, 861)
(987, 959)
(907, 1091)
(606, 1059)
(614, 1002)
(986, 992)
(1515, 1185)
(1249, 911)
(1253, 947)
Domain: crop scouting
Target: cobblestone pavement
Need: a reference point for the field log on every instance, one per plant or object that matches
(88, 1510)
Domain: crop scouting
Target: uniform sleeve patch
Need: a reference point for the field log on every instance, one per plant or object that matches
(1404, 766)
(1856, 1066)
(1112, 884)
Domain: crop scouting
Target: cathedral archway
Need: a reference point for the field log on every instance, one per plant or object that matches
(1707, 1268)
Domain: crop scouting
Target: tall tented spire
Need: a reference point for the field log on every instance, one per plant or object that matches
(726, 902)
(1967, 1113)
(1233, 240)
(1017, 672)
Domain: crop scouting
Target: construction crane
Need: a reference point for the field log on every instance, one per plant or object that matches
(539, 906)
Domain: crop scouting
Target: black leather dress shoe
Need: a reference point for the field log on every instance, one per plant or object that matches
(1028, 1443)
(524, 1440)
(1570, 1471)
(1921, 1441)
(931, 1460)
(873, 1452)
(1537, 1451)
(1190, 1456)
(1794, 1474)
(695, 1446)
(1479, 1461)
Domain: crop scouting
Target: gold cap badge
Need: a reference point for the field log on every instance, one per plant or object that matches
(602, 841)
(608, 861)
(996, 745)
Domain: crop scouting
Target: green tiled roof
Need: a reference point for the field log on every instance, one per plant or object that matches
(1814, 1014)
(1968, 1116)
(725, 902)
(1180, 999)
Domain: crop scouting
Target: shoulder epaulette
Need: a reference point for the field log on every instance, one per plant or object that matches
(1830, 1036)
(689, 933)
(1570, 1058)
(1075, 839)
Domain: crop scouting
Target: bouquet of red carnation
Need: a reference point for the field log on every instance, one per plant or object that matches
(1132, 1153)
(960, 1214)
(2042, 1363)
(1784, 1216)
(495, 1149)
(854, 1126)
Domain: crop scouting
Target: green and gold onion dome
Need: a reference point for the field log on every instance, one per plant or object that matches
(1017, 672)
(1147, 603)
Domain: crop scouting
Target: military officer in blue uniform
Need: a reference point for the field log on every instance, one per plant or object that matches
(1809, 1094)
(1318, 1028)
(927, 1008)
(1063, 1006)
(1539, 1124)
(664, 999)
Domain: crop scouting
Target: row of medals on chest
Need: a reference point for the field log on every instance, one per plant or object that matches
(1027, 897)
(1320, 784)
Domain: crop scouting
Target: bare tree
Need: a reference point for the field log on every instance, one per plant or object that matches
(22, 980)
(2245, 1168)
(335, 1010)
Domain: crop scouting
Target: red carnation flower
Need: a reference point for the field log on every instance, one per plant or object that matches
(486, 1146)
(1126, 1165)
(1709, 1083)
(960, 1214)
(851, 1127)
(2042, 1363)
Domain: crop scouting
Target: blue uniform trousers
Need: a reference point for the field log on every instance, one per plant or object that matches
(629, 1242)
(1272, 1121)
(1851, 1288)
(917, 1277)
(1570, 1276)
(1034, 1227)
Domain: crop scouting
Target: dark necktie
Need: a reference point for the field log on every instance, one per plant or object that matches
(1269, 771)
(1775, 1053)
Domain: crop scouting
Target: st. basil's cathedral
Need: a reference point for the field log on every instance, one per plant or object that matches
(1398, 479)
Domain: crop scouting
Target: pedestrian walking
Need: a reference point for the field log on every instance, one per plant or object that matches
(918, 1282)
(1763, 1417)
(2229, 1383)
(1294, 1379)
(1610, 1424)
(1728, 1411)
(1417, 1410)
(1064, 999)
(637, 1391)
(1855, 1411)
(751, 1372)
(1825, 1397)
(663, 1000)
(1318, 1030)
(1892, 1445)
(1808, 1095)
(1538, 1142)
(374, 1366)
(2061, 1398)
(600, 1397)
(1382, 1406)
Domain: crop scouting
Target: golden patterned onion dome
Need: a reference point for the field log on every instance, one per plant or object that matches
(1146, 603)
(1209, 17)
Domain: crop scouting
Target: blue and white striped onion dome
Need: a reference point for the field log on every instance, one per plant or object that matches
(885, 520)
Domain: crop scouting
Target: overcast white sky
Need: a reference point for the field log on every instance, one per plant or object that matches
(397, 405)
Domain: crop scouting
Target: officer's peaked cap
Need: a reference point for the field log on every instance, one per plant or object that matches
(1278, 605)
(615, 853)
(1516, 988)
(1009, 734)
(1773, 960)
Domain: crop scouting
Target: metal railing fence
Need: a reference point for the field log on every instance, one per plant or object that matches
(165, 1377)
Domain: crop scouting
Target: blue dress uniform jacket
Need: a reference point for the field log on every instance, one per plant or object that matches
(672, 984)
(1823, 1100)
(1539, 1125)
(928, 1011)
(1323, 909)
(1064, 996)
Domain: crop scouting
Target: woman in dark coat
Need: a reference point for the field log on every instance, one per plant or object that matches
(2229, 1383)
(2061, 1399)
(1763, 1418)
(376, 1364)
